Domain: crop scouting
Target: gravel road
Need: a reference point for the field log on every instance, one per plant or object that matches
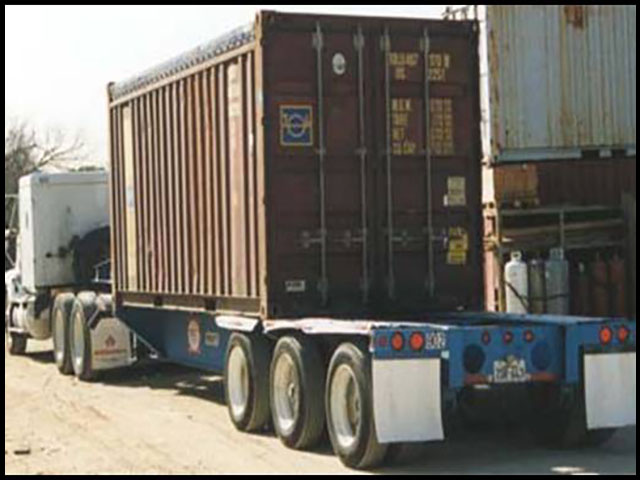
(157, 418)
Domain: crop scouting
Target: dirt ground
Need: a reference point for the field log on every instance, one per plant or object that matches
(157, 418)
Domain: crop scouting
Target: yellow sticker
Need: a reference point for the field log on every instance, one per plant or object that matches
(457, 258)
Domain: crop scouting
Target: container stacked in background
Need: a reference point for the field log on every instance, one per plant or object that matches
(558, 95)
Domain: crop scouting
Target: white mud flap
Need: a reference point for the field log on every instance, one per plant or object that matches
(610, 390)
(111, 345)
(407, 400)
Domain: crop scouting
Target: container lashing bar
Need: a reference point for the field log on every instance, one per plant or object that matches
(324, 284)
(431, 278)
(386, 48)
(362, 152)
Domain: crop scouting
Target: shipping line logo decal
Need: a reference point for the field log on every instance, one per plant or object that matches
(296, 125)
(194, 337)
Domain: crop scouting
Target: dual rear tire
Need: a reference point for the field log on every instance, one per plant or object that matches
(71, 335)
(303, 398)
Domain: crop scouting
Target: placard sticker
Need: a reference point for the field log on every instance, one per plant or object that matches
(296, 125)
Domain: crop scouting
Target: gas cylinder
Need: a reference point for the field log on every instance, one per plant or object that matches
(516, 284)
(536, 286)
(580, 300)
(618, 286)
(557, 282)
(599, 294)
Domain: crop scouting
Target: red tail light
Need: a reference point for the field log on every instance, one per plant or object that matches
(529, 336)
(416, 341)
(507, 338)
(383, 341)
(606, 335)
(623, 334)
(397, 341)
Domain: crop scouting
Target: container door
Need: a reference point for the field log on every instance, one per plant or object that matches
(319, 197)
(428, 172)
(356, 219)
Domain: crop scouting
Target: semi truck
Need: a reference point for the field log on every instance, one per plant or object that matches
(296, 206)
(61, 249)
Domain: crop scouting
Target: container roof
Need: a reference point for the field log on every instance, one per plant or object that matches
(200, 54)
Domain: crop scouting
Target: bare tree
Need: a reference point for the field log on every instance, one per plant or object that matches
(25, 152)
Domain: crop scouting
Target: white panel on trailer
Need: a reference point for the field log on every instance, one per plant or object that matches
(610, 390)
(407, 400)
(55, 208)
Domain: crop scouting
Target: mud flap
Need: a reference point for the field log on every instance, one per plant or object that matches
(111, 345)
(407, 400)
(610, 390)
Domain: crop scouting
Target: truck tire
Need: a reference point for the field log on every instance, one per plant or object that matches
(60, 318)
(297, 392)
(246, 381)
(16, 343)
(349, 406)
(84, 307)
(560, 420)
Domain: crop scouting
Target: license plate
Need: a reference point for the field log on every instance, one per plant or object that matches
(510, 370)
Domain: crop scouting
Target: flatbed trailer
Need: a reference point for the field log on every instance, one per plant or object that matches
(405, 380)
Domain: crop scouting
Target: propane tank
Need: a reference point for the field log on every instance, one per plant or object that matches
(599, 281)
(580, 297)
(516, 284)
(617, 279)
(557, 282)
(536, 286)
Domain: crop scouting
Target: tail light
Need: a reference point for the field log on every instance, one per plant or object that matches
(397, 341)
(486, 337)
(507, 338)
(606, 335)
(416, 341)
(623, 334)
(383, 341)
(529, 337)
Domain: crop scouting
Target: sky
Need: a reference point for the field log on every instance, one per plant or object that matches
(59, 59)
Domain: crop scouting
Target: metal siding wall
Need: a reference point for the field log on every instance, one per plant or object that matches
(562, 76)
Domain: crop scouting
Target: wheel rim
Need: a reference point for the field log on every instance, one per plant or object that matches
(346, 405)
(238, 382)
(78, 342)
(286, 393)
(58, 337)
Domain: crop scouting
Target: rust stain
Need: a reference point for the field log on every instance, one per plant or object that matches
(576, 15)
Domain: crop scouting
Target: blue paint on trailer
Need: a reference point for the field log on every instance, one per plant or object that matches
(476, 354)
(187, 338)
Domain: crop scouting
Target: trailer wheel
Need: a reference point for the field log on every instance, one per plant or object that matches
(297, 392)
(60, 317)
(349, 405)
(561, 420)
(246, 380)
(84, 307)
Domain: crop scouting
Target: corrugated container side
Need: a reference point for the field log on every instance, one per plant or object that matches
(562, 79)
(191, 198)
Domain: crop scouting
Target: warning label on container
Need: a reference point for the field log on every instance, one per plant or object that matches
(456, 192)
(458, 246)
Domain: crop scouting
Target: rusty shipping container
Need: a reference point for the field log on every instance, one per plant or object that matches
(283, 170)
(561, 182)
(558, 81)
